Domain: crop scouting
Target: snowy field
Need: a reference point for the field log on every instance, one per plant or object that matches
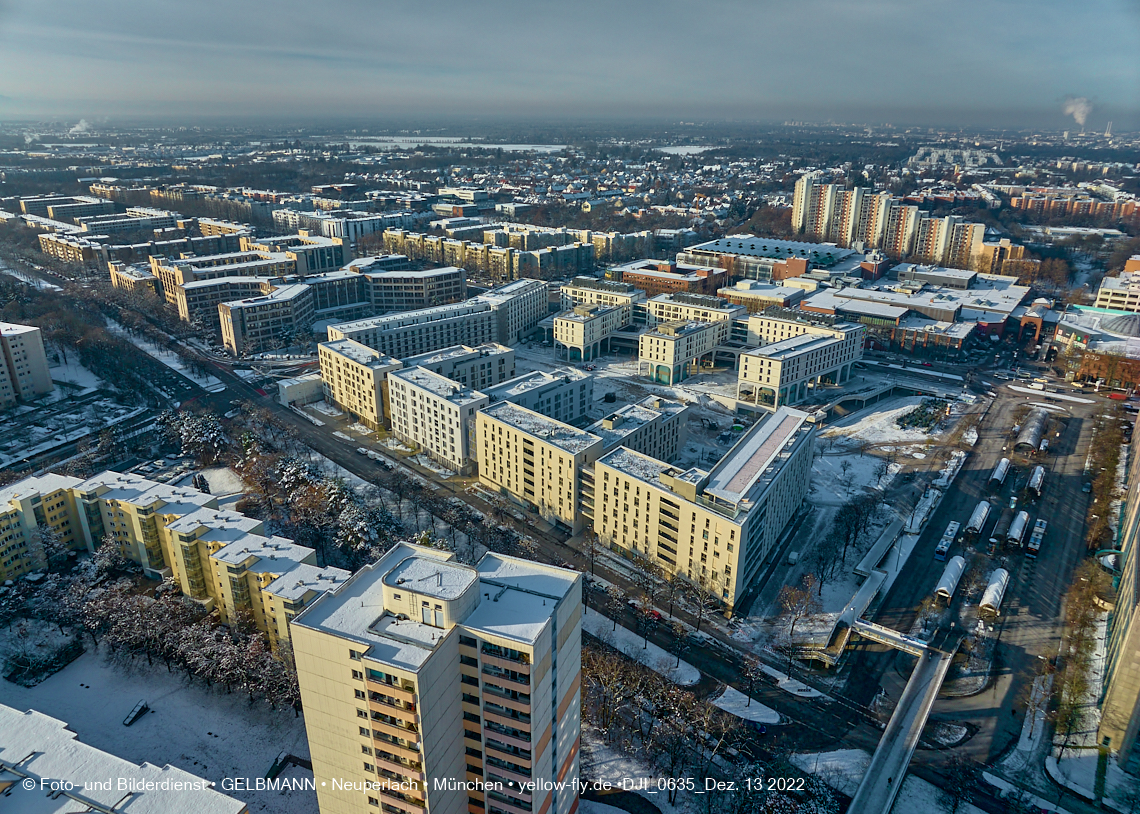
(634, 646)
(207, 733)
(877, 425)
(24, 277)
(75, 374)
(223, 481)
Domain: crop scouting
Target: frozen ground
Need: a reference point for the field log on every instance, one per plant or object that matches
(737, 703)
(223, 481)
(22, 276)
(877, 425)
(207, 733)
(634, 646)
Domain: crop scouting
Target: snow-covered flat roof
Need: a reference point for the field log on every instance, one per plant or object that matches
(546, 429)
(360, 354)
(264, 555)
(40, 747)
(636, 465)
(431, 577)
(793, 346)
(36, 485)
(305, 579)
(438, 385)
(457, 352)
(141, 491)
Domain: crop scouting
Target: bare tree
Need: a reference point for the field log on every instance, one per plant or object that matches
(797, 602)
(962, 776)
(615, 602)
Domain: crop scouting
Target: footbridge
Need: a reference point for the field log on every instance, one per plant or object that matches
(884, 777)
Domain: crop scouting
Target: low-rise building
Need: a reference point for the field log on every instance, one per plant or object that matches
(535, 459)
(355, 379)
(434, 415)
(669, 352)
(714, 528)
(583, 333)
(748, 257)
(437, 686)
(1120, 293)
(24, 373)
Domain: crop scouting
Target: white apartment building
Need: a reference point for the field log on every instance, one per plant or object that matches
(24, 373)
(435, 415)
(535, 459)
(782, 372)
(668, 352)
(354, 378)
(715, 528)
(564, 396)
(477, 367)
(583, 334)
(684, 307)
(414, 332)
(589, 291)
(430, 685)
(654, 426)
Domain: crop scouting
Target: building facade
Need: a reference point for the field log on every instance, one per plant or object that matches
(444, 687)
(355, 379)
(24, 373)
(435, 415)
(782, 372)
(583, 334)
(476, 367)
(669, 352)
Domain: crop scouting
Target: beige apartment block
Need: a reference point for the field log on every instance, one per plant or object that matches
(684, 307)
(519, 306)
(584, 333)
(1120, 293)
(477, 367)
(783, 372)
(260, 323)
(654, 426)
(355, 379)
(219, 558)
(670, 352)
(24, 371)
(589, 291)
(717, 527)
(565, 395)
(434, 415)
(430, 685)
(535, 459)
(408, 290)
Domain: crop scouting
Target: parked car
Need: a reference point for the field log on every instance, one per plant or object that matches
(1087, 487)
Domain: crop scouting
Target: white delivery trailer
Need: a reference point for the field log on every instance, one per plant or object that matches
(1037, 480)
(995, 591)
(949, 580)
(1000, 472)
(978, 518)
(1017, 529)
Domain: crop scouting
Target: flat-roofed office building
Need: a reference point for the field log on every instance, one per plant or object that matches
(355, 379)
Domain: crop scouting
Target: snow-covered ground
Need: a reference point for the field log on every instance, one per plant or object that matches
(737, 703)
(207, 733)
(74, 373)
(169, 358)
(878, 424)
(223, 481)
(844, 769)
(24, 277)
(634, 646)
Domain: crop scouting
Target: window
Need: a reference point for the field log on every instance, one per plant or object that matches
(361, 713)
(355, 655)
(366, 750)
(366, 732)
(360, 694)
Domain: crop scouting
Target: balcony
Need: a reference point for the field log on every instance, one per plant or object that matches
(509, 740)
(397, 750)
(407, 732)
(507, 683)
(506, 720)
(394, 798)
(505, 701)
(508, 774)
(400, 768)
(506, 663)
(498, 802)
(397, 692)
(375, 698)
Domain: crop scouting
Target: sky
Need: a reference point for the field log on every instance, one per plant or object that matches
(1004, 63)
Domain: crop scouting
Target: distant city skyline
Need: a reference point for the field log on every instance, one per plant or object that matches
(1012, 64)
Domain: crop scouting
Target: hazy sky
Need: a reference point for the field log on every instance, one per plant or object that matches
(1000, 62)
